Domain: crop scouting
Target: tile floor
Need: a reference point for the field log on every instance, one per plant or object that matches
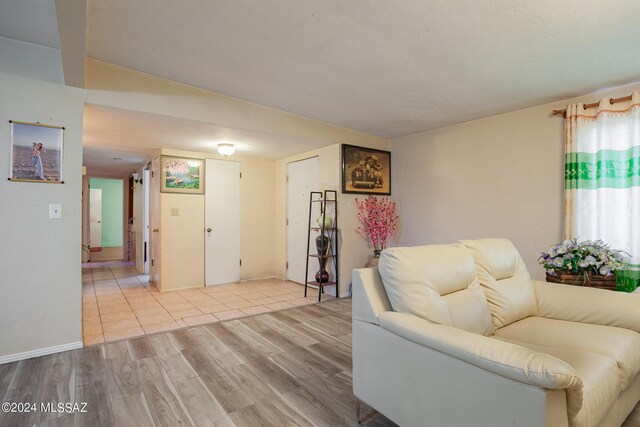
(118, 303)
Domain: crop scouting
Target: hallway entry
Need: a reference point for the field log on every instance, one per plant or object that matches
(106, 219)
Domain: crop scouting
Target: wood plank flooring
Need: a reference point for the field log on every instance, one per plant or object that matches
(290, 367)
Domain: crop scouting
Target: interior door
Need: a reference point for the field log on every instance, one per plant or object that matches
(154, 222)
(222, 222)
(302, 178)
(95, 217)
(145, 219)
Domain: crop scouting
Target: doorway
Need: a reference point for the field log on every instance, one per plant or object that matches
(106, 225)
(146, 174)
(222, 222)
(302, 178)
(154, 222)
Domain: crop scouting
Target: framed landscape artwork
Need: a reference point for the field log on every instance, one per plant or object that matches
(366, 170)
(181, 175)
(36, 153)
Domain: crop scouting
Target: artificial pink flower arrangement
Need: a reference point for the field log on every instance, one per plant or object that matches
(379, 220)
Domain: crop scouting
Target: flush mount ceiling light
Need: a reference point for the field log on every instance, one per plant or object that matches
(225, 149)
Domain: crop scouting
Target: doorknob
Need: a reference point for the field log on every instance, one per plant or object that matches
(209, 230)
(155, 230)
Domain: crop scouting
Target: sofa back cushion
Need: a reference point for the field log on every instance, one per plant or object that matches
(504, 279)
(437, 283)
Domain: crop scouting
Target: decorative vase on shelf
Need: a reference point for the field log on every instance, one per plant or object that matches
(327, 219)
(374, 260)
(322, 246)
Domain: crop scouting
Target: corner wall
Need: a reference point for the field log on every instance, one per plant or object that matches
(502, 176)
(355, 251)
(40, 275)
(182, 248)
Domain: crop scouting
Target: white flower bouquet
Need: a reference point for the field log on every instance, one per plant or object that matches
(594, 257)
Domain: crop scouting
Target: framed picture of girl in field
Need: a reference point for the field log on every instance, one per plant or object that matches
(36, 153)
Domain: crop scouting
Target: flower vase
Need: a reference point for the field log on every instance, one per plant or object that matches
(322, 246)
(374, 260)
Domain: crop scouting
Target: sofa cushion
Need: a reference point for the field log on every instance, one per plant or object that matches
(600, 382)
(621, 345)
(437, 283)
(504, 278)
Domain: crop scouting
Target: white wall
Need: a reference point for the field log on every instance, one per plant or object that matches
(40, 276)
(501, 176)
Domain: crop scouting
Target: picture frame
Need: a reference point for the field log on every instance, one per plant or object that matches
(181, 175)
(366, 170)
(36, 153)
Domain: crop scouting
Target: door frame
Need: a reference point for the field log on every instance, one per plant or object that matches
(146, 256)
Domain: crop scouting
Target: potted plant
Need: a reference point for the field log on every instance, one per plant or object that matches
(379, 222)
(587, 263)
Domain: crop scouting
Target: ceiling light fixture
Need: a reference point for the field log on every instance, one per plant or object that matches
(225, 149)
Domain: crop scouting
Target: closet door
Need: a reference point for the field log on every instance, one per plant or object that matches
(302, 178)
(222, 222)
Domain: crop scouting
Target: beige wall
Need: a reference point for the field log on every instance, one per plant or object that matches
(501, 176)
(182, 245)
(354, 249)
(40, 275)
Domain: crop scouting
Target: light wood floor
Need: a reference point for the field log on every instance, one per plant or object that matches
(290, 367)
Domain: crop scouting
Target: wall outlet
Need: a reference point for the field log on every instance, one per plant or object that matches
(55, 211)
(175, 212)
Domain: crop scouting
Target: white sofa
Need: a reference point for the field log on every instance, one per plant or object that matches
(459, 335)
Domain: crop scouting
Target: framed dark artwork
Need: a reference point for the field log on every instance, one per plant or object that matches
(36, 153)
(366, 170)
(181, 175)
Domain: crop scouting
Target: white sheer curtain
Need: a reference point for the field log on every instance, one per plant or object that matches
(602, 175)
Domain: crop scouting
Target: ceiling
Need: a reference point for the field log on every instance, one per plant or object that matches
(132, 137)
(32, 21)
(383, 67)
(386, 68)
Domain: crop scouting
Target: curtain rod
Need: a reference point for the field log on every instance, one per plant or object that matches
(612, 101)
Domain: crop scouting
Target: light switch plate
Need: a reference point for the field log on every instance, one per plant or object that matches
(175, 212)
(55, 211)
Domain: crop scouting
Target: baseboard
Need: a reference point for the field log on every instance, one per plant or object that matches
(261, 278)
(40, 352)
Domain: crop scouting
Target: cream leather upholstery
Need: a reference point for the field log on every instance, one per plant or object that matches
(437, 283)
(554, 355)
(620, 345)
(504, 278)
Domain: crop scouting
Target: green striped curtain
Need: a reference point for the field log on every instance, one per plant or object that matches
(602, 176)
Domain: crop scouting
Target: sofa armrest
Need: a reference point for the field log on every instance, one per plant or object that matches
(369, 297)
(588, 305)
(502, 358)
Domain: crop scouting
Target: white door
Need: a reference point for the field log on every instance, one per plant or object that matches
(95, 217)
(145, 219)
(154, 223)
(222, 222)
(302, 178)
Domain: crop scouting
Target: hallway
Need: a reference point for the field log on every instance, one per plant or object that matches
(119, 303)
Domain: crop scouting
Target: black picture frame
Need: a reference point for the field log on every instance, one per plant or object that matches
(366, 170)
